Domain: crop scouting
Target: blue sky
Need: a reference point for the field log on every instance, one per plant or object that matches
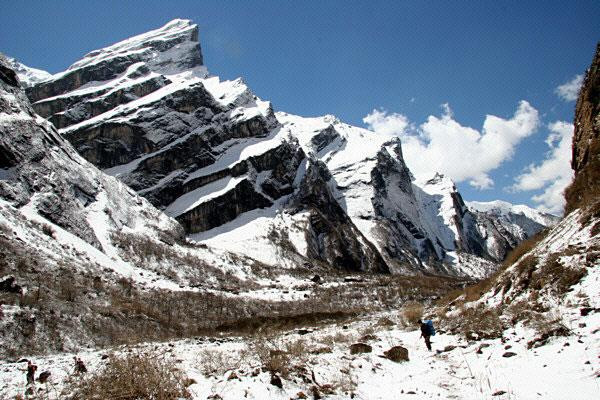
(405, 59)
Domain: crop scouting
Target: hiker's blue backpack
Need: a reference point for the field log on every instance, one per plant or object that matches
(430, 327)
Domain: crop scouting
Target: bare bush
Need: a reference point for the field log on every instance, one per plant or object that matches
(131, 377)
(217, 362)
(272, 357)
(478, 322)
(412, 312)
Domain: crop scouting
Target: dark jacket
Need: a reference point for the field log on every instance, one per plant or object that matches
(425, 329)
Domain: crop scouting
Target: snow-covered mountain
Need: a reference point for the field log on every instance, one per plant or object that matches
(283, 189)
(28, 76)
(520, 215)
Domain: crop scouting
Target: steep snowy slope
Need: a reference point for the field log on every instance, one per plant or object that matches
(42, 175)
(28, 76)
(283, 189)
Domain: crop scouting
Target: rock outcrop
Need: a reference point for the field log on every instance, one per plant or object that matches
(585, 161)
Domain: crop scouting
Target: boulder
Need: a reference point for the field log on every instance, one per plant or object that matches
(397, 354)
(358, 348)
(43, 378)
(276, 381)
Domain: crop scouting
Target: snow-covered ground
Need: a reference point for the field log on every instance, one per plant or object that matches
(565, 368)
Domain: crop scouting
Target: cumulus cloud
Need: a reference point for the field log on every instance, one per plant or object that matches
(570, 90)
(554, 173)
(441, 144)
(387, 124)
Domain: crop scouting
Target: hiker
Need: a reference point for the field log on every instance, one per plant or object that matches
(79, 366)
(31, 368)
(427, 331)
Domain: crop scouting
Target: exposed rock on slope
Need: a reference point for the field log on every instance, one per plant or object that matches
(585, 188)
(42, 174)
(234, 173)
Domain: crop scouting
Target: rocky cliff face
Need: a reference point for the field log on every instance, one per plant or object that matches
(585, 188)
(40, 173)
(240, 177)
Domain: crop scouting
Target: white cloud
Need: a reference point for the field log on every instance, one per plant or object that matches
(387, 124)
(554, 173)
(570, 90)
(443, 145)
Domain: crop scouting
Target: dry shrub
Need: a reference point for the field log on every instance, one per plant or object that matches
(556, 277)
(547, 325)
(479, 322)
(385, 322)
(524, 247)
(272, 357)
(526, 310)
(412, 312)
(548, 275)
(217, 362)
(131, 377)
(344, 381)
(298, 350)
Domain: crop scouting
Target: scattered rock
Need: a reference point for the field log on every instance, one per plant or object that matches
(559, 330)
(316, 279)
(8, 284)
(322, 350)
(276, 381)
(315, 392)
(385, 322)
(481, 347)
(509, 354)
(449, 348)
(189, 382)
(301, 395)
(232, 376)
(499, 393)
(586, 310)
(43, 378)
(358, 348)
(303, 331)
(367, 338)
(397, 354)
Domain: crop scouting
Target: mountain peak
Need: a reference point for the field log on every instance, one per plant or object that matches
(177, 37)
(171, 49)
